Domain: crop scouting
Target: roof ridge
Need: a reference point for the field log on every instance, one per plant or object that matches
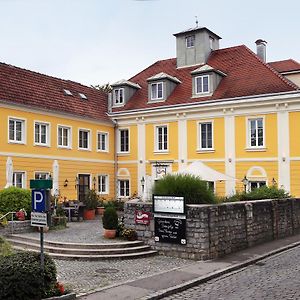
(48, 76)
(161, 60)
(286, 81)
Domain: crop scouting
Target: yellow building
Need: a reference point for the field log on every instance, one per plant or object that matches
(228, 108)
(225, 107)
(49, 124)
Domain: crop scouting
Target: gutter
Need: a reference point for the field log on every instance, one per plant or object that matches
(209, 103)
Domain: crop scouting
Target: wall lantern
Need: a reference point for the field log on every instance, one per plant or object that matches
(66, 183)
(274, 182)
(94, 182)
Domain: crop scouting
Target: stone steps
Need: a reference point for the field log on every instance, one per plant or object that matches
(58, 250)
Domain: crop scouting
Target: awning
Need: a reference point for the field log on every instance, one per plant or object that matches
(199, 169)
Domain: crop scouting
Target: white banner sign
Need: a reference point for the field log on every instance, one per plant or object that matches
(39, 219)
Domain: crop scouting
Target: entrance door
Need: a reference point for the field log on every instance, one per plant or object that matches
(84, 186)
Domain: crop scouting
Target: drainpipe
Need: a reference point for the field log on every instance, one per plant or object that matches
(116, 156)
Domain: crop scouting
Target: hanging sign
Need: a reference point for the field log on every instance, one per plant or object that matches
(142, 217)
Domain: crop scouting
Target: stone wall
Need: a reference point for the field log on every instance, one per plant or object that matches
(16, 227)
(215, 230)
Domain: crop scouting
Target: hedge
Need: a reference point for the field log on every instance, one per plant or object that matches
(22, 279)
(192, 188)
(14, 199)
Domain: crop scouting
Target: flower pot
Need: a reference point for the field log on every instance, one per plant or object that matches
(110, 233)
(100, 210)
(89, 214)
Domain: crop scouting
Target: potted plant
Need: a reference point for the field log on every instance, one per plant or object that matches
(129, 234)
(110, 222)
(100, 207)
(90, 201)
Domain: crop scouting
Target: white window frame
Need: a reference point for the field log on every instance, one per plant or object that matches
(89, 142)
(23, 178)
(119, 140)
(23, 131)
(116, 96)
(41, 172)
(196, 86)
(156, 128)
(248, 134)
(119, 188)
(199, 124)
(69, 128)
(190, 41)
(259, 182)
(156, 84)
(100, 192)
(106, 134)
(47, 125)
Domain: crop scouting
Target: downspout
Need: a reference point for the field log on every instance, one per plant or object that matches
(116, 156)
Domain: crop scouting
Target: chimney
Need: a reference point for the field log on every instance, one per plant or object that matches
(261, 47)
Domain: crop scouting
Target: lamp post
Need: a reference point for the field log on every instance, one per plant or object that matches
(245, 182)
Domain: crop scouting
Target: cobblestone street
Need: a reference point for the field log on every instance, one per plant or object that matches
(273, 278)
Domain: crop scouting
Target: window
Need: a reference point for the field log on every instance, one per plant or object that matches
(102, 141)
(206, 136)
(156, 91)
(124, 188)
(119, 96)
(83, 96)
(190, 41)
(124, 140)
(64, 137)
(256, 184)
(68, 92)
(84, 139)
(19, 179)
(202, 84)
(162, 138)
(256, 132)
(16, 131)
(41, 175)
(211, 185)
(41, 133)
(103, 184)
(211, 42)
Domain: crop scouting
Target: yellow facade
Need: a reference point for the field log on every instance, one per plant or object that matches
(30, 158)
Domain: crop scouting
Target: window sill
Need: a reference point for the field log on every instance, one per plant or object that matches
(42, 145)
(156, 100)
(205, 150)
(102, 151)
(102, 193)
(253, 149)
(17, 142)
(66, 148)
(84, 149)
(161, 152)
(202, 95)
(123, 153)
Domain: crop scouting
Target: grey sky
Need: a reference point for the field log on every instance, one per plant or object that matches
(99, 41)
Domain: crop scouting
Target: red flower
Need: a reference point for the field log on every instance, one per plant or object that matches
(60, 287)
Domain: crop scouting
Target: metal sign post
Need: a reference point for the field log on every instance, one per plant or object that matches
(40, 207)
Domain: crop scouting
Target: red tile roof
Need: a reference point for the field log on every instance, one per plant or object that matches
(246, 74)
(287, 65)
(36, 90)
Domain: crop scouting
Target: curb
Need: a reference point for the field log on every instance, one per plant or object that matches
(203, 279)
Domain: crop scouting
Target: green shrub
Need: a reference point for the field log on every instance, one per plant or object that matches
(5, 248)
(194, 190)
(91, 200)
(110, 218)
(14, 199)
(21, 277)
(259, 194)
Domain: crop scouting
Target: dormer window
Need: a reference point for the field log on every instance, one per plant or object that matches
(202, 84)
(156, 91)
(119, 96)
(211, 42)
(83, 96)
(190, 41)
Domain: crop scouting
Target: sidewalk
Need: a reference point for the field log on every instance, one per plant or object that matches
(167, 283)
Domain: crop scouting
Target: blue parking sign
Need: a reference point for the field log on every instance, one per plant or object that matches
(38, 200)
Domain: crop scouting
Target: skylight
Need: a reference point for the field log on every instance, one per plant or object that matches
(68, 92)
(83, 96)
